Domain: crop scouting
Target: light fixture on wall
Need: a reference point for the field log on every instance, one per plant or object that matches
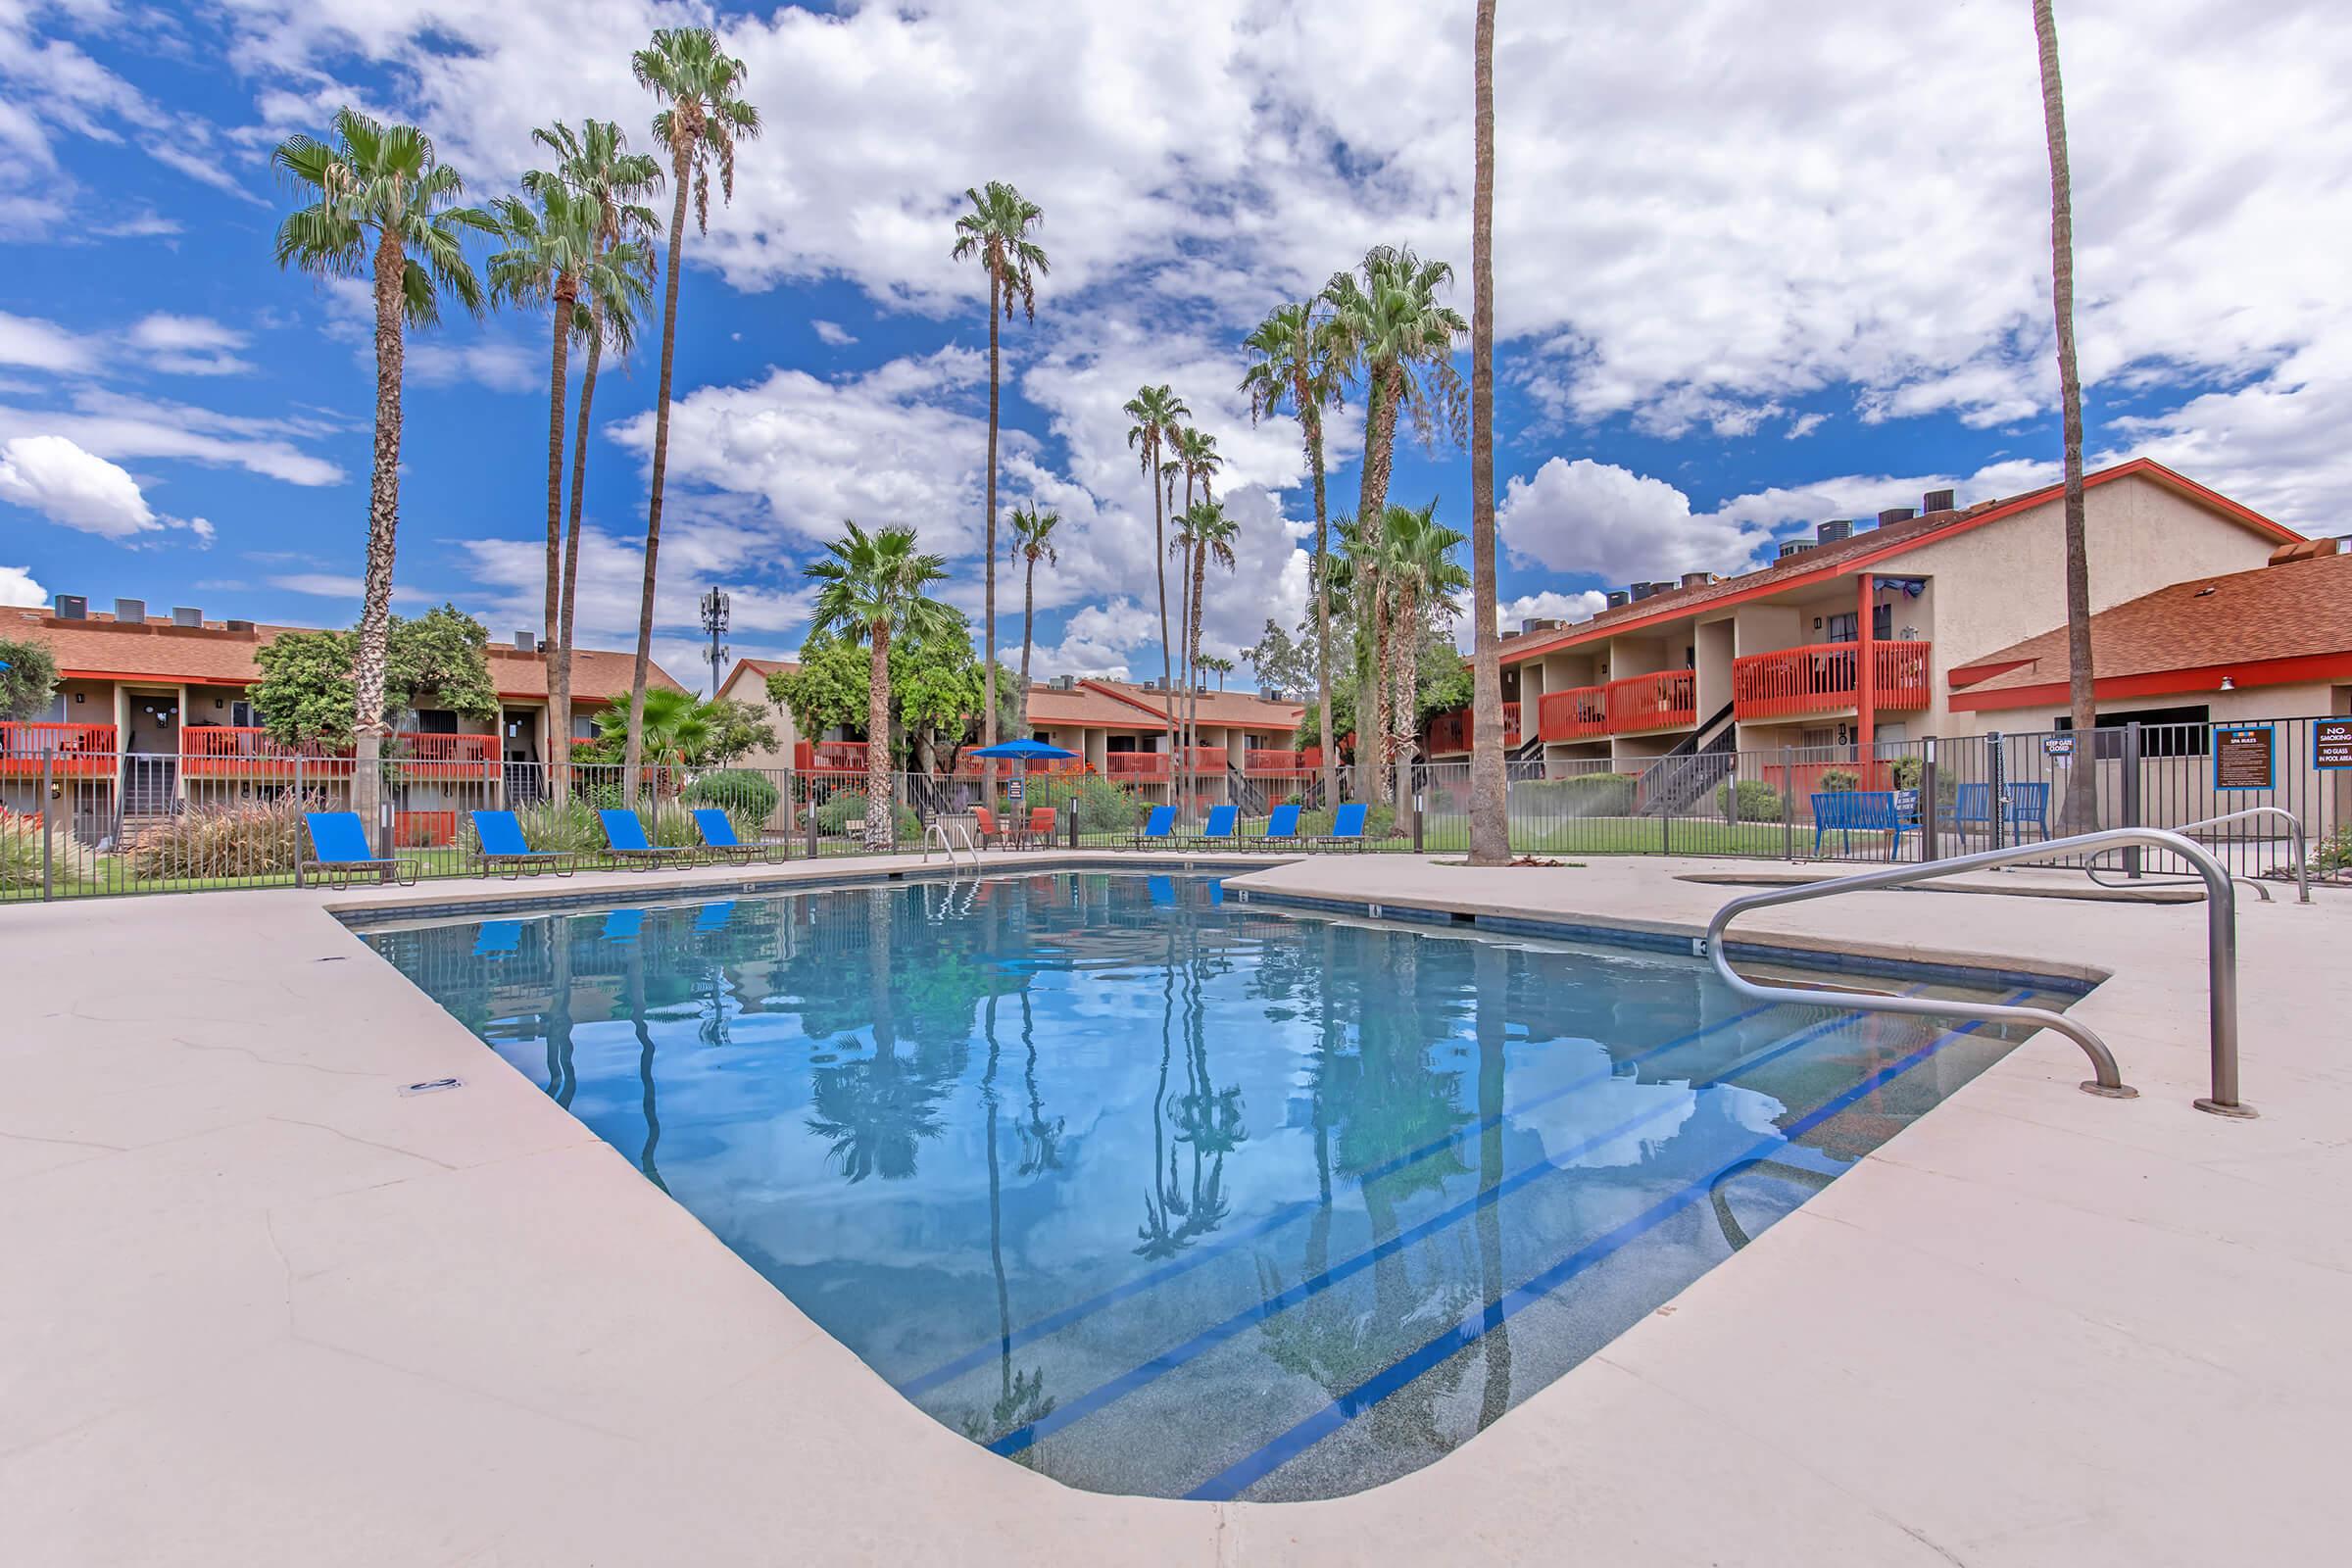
(1817, 624)
(80, 696)
(2228, 684)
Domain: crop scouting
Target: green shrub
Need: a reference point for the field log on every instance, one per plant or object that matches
(245, 838)
(1834, 779)
(1584, 795)
(2332, 856)
(1101, 806)
(20, 852)
(846, 807)
(574, 828)
(1907, 771)
(1747, 801)
(748, 799)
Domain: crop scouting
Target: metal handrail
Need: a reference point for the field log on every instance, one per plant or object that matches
(2301, 844)
(938, 828)
(2220, 925)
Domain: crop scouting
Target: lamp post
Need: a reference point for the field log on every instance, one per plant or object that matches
(715, 606)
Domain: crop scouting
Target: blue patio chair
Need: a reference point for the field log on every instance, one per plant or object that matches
(1847, 813)
(1159, 828)
(503, 849)
(339, 853)
(1283, 826)
(498, 939)
(1222, 827)
(2023, 805)
(624, 836)
(718, 837)
(1346, 828)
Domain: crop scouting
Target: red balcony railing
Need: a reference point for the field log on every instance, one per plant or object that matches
(1274, 763)
(72, 750)
(446, 756)
(829, 756)
(1820, 678)
(245, 751)
(1136, 764)
(1580, 713)
(969, 767)
(1667, 700)
(1452, 732)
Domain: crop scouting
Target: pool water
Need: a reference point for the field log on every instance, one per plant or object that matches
(1157, 1192)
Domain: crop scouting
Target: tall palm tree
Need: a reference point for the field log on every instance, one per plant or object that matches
(1032, 538)
(873, 591)
(1489, 790)
(1389, 330)
(1158, 415)
(594, 165)
(2080, 811)
(996, 231)
(379, 204)
(1291, 358)
(1417, 561)
(1211, 534)
(1196, 454)
(703, 118)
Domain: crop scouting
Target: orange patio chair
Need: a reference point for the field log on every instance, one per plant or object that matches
(1041, 826)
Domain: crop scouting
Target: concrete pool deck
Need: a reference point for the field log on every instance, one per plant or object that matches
(261, 1308)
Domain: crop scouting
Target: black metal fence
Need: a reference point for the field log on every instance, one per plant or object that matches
(76, 824)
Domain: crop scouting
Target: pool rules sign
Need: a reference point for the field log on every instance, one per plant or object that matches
(2246, 757)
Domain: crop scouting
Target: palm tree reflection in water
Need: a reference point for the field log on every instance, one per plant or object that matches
(1208, 1120)
(1021, 1396)
(634, 978)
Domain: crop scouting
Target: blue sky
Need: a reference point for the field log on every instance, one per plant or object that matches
(1752, 274)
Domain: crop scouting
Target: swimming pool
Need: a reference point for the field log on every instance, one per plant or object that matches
(1161, 1192)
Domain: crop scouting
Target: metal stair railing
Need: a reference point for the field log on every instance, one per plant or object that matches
(2220, 925)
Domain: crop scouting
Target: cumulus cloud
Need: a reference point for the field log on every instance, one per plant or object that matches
(117, 426)
(188, 345)
(1597, 517)
(41, 345)
(1549, 605)
(834, 333)
(51, 476)
(18, 588)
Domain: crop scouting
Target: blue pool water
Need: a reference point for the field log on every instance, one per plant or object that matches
(1161, 1192)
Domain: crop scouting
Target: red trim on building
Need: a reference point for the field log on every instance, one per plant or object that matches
(2166, 682)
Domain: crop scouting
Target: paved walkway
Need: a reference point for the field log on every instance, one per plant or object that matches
(258, 1308)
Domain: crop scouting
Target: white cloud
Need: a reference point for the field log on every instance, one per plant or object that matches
(1588, 517)
(41, 345)
(51, 476)
(18, 588)
(1108, 640)
(116, 426)
(833, 332)
(1548, 605)
(188, 345)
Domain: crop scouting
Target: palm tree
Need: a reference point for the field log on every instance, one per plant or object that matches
(997, 231)
(1391, 330)
(699, 82)
(677, 728)
(1293, 359)
(380, 203)
(1219, 663)
(1197, 455)
(2080, 813)
(1417, 562)
(1032, 537)
(1208, 532)
(1158, 415)
(594, 165)
(1489, 790)
(873, 591)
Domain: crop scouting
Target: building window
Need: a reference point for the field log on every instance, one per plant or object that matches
(2183, 731)
(1881, 626)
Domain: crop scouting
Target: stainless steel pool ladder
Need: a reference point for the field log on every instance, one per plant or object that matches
(945, 831)
(2295, 835)
(2220, 925)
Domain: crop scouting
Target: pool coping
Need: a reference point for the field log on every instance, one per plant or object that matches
(222, 1217)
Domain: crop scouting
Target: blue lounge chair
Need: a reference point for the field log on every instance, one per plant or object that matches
(713, 916)
(339, 854)
(498, 939)
(1162, 889)
(1159, 828)
(1348, 828)
(1283, 826)
(718, 837)
(1222, 827)
(503, 847)
(624, 836)
(1847, 813)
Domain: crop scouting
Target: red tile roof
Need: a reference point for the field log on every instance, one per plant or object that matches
(2298, 611)
(1831, 561)
(102, 648)
(1235, 709)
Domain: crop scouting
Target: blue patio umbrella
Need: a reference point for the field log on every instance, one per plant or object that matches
(1022, 750)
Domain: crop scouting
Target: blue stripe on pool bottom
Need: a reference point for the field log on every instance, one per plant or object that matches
(1248, 1471)
(1055, 1322)
(1210, 1338)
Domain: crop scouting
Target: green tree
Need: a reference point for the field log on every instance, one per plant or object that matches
(381, 204)
(1280, 661)
(935, 686)
(1490, 827)
(1158, 415)
(308, 692)
(676, 729)
(1294, 357)
(2080, 811)
(596, 165)
(873, 590)
(1389, 330)
(702, 119)
(1417, 561)
(1032, 540)
(996, 231)
(27, 681)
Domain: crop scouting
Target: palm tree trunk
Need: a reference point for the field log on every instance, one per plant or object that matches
(1380, 437)
(1489, 789)
(551, 626)
(558, 680)
(880, 819)
(633, 751)
(1191, 684)
(1403, 709)
(1159, 558)
(1310, 416)
(988, 636)
(2079, 814)
(383, 525)
(1383, 671)
(1028, 633)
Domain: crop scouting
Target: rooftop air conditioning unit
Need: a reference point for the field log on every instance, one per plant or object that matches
(1794, 547)
(1698, 579)
(239, 626)
(1837, 528)
(1065, 683)
(526, 643)
(186, 615)
(1640, 591)
(132, 610)
(1618, 598)
(1936, 501)
(1894, 514)
(73, 607)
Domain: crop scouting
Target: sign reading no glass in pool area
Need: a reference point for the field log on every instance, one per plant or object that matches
(2331, 743)
(2246, 757)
